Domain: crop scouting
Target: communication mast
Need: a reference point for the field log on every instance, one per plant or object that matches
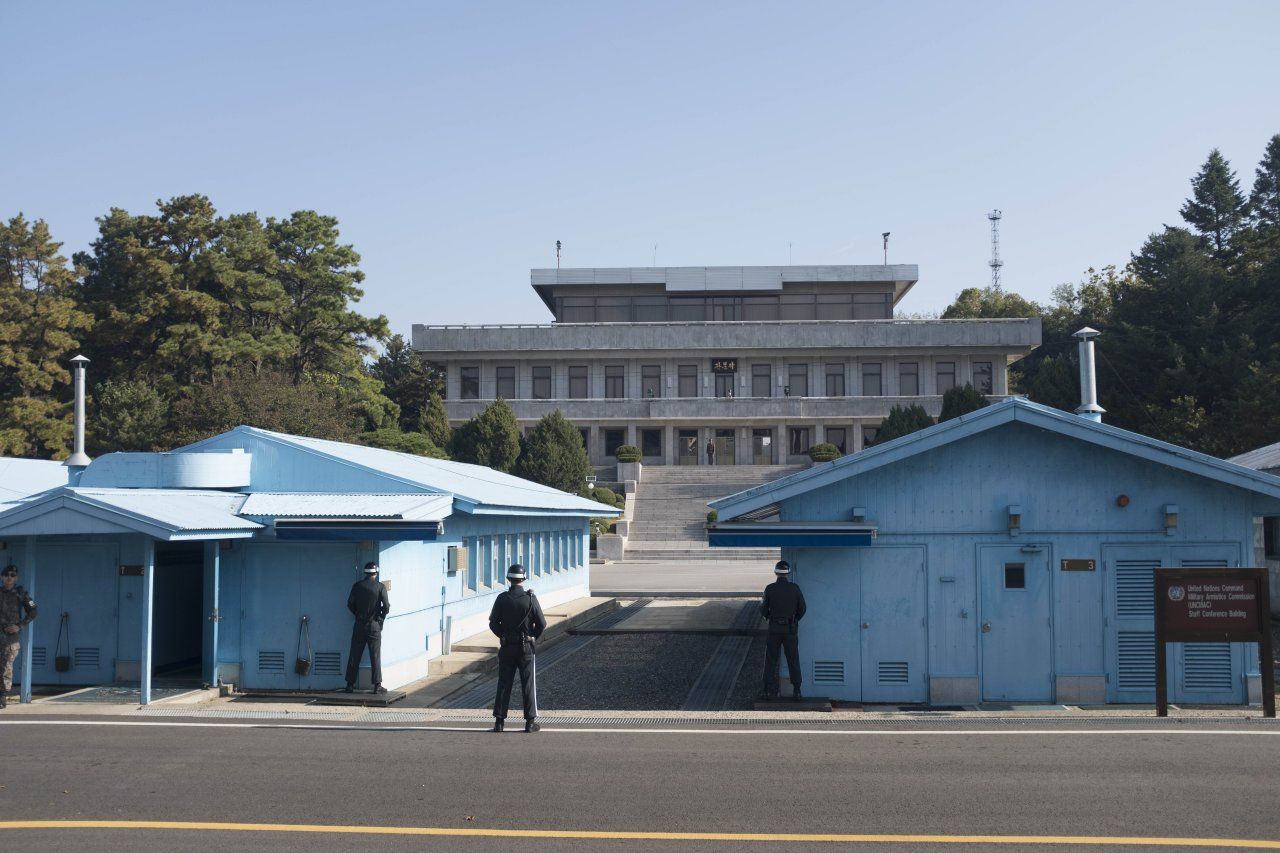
(995, 262)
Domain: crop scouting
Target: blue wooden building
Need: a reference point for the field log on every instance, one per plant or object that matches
(1007, 555)
(206, 560)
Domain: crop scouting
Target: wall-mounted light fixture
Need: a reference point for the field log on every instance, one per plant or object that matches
(1015, 519)
(1170, 519)
(859, 513)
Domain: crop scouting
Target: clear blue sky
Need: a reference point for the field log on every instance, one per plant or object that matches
(456, 142)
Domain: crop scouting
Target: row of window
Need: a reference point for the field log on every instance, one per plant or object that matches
(661, 309)
(541, 554)
(799, 440)
(796, 379)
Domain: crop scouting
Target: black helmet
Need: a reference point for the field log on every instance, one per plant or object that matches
(370, 568)
(782, 568)
(516, 572)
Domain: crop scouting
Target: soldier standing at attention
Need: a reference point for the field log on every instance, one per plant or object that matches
(784, 607)
(517, 621)
(369, 603)
(16, 612)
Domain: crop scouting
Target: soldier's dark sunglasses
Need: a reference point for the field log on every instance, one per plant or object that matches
(8, 574)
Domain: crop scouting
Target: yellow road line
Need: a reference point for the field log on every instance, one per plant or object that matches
(602, 835)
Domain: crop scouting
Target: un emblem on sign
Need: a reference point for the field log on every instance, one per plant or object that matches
(1177, 593)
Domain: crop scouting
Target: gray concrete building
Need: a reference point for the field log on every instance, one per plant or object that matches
(754, 363)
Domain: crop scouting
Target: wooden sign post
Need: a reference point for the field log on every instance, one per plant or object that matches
(1213, 606)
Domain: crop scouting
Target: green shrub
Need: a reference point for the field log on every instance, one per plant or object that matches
(605, 496)
(824, 452)
(961, 401)
(903, 420)
(627, 453)
(712, 516)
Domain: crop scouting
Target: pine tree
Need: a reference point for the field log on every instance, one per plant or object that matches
(40, 327)
(491, 438)
(1216, 208)
(961, 401)
(406, 380)
(903, 420)
(1264, 200)
(554, 456)
(435, 423)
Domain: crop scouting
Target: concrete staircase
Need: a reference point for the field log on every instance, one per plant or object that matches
(671, 510)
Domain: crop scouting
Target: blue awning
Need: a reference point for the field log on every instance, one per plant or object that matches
(358, 530)
(774, 534)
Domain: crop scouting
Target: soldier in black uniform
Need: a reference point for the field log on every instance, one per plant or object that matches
(369, 603)
(16, 610)
(517, 621)
(784, 607)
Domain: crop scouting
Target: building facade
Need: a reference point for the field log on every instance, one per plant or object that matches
(754, 363)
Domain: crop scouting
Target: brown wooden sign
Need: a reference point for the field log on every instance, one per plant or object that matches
(1213, 606)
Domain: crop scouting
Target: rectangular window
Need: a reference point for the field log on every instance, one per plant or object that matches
(946, 371)
(982, 377)
(1015, 576)
(487, 547)
(615, 381)
(688, 376)
(871, 384)
(761, 380)
(613, 309)
(471, 382)
(909, 379)
(578, 381)
(577, 309)
(836, 436)
(869, 434)
(505, 382)
(799, 440)
(835, 306)
(542, 382)
(1271, 537)
(651, 309)
(650, 381)
(613, 439)
(759, 307)
(835, 380)
(872, 306)
(688, 309)
(724, 308)
(651, 442)
(798, 380)
(796, 306)
(473, 562)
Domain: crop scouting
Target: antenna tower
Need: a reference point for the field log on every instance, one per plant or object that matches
(995, 263)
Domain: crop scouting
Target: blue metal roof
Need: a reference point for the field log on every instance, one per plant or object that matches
(161, 513)
(21, 478)
(998, 414)
(473, 485)
(406, 507)
(1262, 459)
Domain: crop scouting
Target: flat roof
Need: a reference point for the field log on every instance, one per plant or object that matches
(694, 279)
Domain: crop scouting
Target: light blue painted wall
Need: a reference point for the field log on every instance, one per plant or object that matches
(954, 499)
(279, 467)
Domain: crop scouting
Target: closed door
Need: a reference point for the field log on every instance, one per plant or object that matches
(80, 580)
(687, 447)
(725, 447)
(1015, 625)
(893, 633)
(762, 447)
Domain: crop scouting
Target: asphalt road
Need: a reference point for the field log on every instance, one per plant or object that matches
(902, 781)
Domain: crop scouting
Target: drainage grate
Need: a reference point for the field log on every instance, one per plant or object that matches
(328, 663)
(86, 658)
(272, 662)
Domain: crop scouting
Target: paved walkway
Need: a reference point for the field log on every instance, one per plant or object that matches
(667, 579)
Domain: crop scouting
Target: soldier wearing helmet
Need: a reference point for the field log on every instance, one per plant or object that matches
(783, 606)
(369, 604)
(517, 621)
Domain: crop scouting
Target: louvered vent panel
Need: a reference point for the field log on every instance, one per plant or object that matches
(892, 672)
(1206, 666)
(86, 658)
(328, 663)
(39, 655)
(271, 662)
(1137, 660)
(1135, 589)
(828, 672)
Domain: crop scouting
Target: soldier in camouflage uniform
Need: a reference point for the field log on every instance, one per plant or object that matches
(16, 611)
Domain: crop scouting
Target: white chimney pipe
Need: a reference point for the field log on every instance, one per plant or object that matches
(1089, 407)
(78, 458)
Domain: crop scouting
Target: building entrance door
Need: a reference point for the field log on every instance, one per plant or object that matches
(894, 643)
(687, 447)
(726, 446)
(762, 447)
(1015, 629)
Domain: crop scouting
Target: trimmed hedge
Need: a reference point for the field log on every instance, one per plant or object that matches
(627, 453)
(824, 452)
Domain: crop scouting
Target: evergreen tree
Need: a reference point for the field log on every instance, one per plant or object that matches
(903, 420)
(960, 401)
(40, 328)
(491, 438)
(406, 379)
(554, 456)
(989, 302)
(435, 422)
(128, 415)
(391, 438)
(269, 400)
(1216, 208)
(1264, 200)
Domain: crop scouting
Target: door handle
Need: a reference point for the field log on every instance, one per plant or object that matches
(986, 627)
(866, 625)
